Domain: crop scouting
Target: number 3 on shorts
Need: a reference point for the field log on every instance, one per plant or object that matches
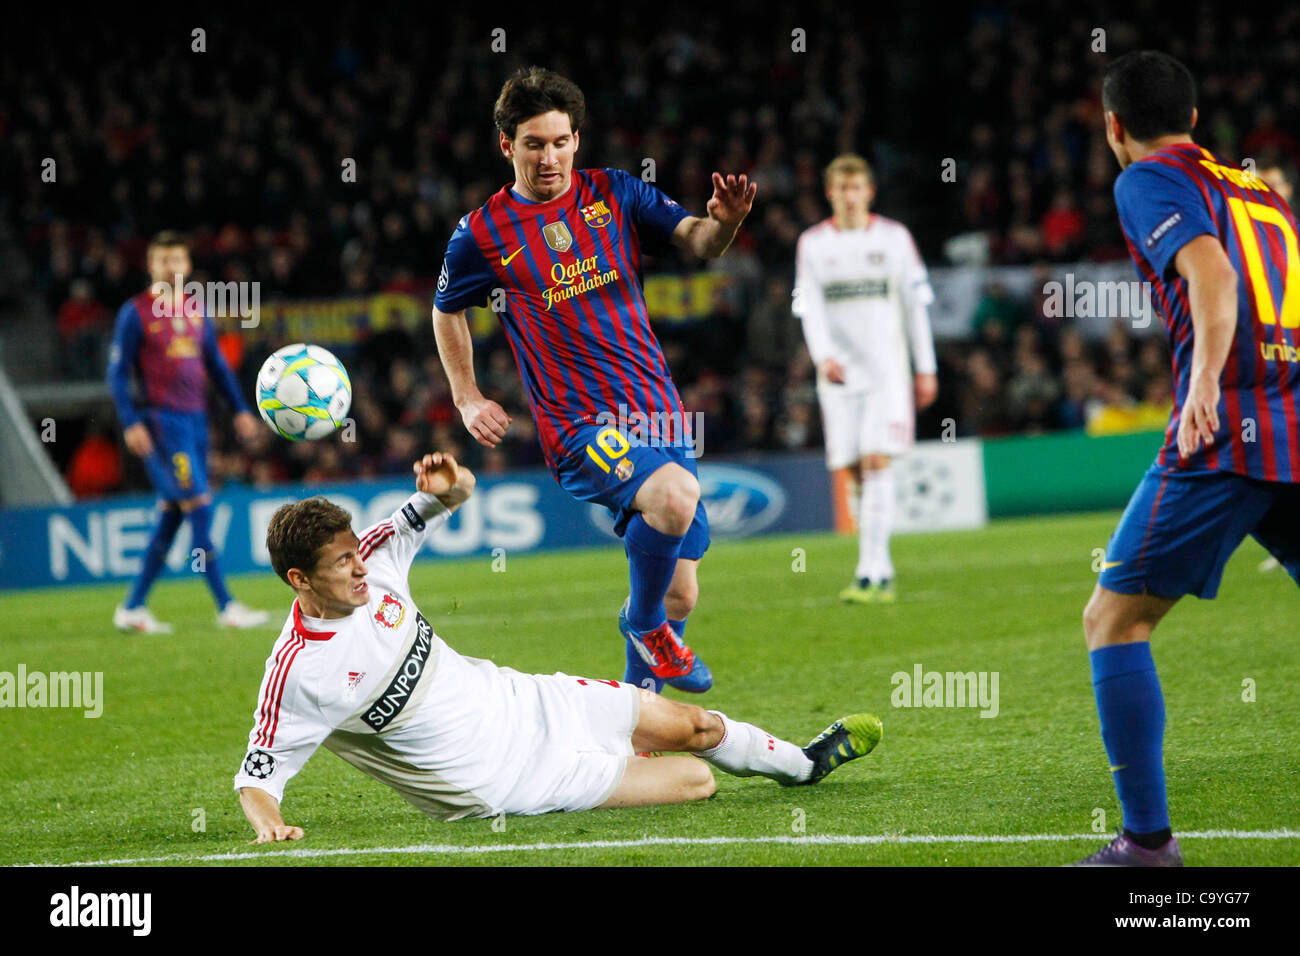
(613, 444)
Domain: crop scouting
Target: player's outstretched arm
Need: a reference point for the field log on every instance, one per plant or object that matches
(709, 237)
(263, 813)
(1212, 294)
(484, 419)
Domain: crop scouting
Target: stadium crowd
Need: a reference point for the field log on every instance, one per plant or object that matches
(245, 150)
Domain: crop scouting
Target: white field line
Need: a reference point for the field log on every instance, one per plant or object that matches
(826, 840)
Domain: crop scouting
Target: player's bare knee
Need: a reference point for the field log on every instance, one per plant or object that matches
(1092, 617)
(681, 497)
(702, 783)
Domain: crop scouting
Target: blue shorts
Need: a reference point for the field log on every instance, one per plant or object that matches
(178, 464)
(600, 465)
(1178, 531)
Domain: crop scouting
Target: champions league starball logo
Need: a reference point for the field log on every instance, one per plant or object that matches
(924, 489)
(259, 765)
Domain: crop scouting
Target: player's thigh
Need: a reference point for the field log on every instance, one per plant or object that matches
(649, 781)
(168, 464)
(1178, 531)
(180, 444)
(841, 426)
(887, 423)
(603, 466)
(1114, 618)
(588, 713)
(1279, 529)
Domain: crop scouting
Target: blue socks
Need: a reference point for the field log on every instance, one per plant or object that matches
(164, 533)
(1132, 712)
(651, 560)
(201, 522)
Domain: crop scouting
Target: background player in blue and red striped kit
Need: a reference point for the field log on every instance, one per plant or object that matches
(170, 343)
(1219, 248)
(565, 246)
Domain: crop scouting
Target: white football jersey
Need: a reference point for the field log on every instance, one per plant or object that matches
(862, 295)
(381, 690)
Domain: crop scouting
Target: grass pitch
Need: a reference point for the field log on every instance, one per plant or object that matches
(150, 780)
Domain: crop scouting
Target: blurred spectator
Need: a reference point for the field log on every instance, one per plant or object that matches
(96, 465)
(84, 328)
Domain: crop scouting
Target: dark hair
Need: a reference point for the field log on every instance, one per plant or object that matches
(297, 533)
(168, 239)
(1152, 93)
(535, 90)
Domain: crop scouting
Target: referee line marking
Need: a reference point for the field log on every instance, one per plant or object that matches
(823, 840)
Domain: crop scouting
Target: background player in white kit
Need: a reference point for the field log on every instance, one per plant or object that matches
(862, 293)
(358, 669)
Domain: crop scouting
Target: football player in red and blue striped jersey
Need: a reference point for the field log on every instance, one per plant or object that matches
(560, 249)
(1219, 249)
(165, 341)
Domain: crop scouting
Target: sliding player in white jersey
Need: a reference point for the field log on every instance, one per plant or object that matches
(862, 293)
(359, 670)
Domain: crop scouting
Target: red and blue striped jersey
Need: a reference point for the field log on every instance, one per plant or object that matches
(571, 299)
(174, 356)
(1169, 198)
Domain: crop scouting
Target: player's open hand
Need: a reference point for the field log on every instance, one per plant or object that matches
(439, 475)
(138, 440)
(246, 425)
(277, 834)
(485, 420)
(1200, 415)
(832, 371)
(732, 199)
(926, 388)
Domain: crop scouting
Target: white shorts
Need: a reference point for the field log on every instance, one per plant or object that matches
(856, 424)
(587, 727)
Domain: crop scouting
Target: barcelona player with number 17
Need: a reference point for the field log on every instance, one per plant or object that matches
(565, 247)
(1219, 248)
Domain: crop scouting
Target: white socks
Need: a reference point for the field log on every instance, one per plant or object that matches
(875, 521)
(746, 750)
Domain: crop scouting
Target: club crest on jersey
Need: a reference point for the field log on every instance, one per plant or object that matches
(623, 470)
(390, 613)
(597, 215)
(558, 236)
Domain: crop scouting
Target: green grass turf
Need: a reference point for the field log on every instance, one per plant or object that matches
(784, 654)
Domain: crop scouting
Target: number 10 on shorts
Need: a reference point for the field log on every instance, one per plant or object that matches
(612, 444)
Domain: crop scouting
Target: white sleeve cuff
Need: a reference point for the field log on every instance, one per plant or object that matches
(422, 507)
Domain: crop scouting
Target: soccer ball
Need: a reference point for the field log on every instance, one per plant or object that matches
(303, 392)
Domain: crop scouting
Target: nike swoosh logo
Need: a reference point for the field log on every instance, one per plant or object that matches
(505, 260)
(1120, 767)
(1110, 564)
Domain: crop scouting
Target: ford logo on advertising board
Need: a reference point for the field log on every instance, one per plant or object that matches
(738, 501)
